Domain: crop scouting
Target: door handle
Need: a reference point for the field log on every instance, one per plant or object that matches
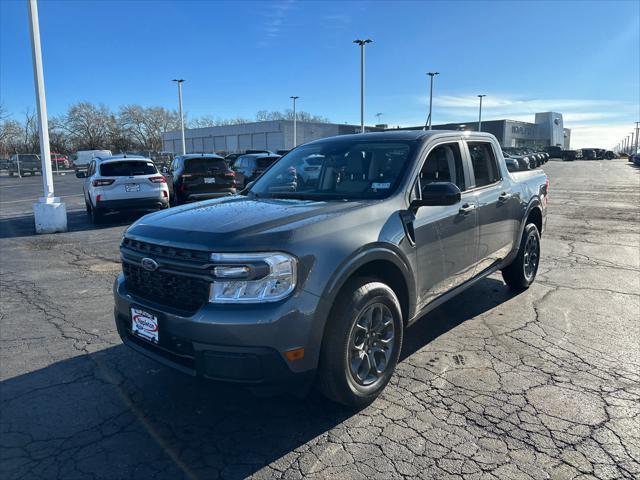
(504, 196)
(467, 208)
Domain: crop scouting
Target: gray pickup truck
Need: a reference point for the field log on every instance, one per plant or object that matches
(313, 280)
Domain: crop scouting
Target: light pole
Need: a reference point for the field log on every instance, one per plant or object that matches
(480, 113)
(179, 82)
(431, 74)
(295, 121)
(49, 213)
(362, 44)
(637, 132)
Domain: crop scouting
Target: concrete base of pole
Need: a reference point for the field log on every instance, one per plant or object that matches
(50, 215)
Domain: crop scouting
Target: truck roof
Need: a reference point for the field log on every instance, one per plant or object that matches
(403, 135)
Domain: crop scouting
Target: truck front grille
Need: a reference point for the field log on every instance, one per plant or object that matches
(175, 291)
(165, 251)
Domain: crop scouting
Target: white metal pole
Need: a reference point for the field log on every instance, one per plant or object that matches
(431, 75)
(295, 122)
(480, 113)
(362, 44)
(637, 132)
(45, 154)
(362, 88)
(184, 145)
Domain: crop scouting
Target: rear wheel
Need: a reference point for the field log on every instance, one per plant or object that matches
(521, 273)
(362, 343)
(96, 216)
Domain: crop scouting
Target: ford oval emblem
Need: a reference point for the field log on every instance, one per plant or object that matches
(149, 264)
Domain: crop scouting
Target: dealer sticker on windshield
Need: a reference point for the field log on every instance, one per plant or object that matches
(144, 325)
(380, 186)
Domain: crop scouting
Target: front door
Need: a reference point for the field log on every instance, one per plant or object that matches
(446, 236)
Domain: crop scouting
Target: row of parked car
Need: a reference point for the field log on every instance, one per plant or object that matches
(133, 182)
(518, 159)
(30, 164)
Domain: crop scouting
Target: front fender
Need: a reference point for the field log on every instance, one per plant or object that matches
(364, 256)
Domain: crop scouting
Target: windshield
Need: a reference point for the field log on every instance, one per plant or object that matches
(348, 170)
(127, 169)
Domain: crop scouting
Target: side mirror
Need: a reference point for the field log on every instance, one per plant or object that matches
(437, 194)
(80, 174)
(164, 170)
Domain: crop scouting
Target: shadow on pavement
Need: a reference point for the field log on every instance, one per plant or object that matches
(116, 414)
(77, 221)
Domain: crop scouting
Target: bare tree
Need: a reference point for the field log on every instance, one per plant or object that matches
(146, 126)
(209, 121)
(88, 125)
(265, 115)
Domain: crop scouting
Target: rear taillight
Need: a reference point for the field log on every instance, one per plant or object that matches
(158, 179)
(98, 197)
(230, 174)
(102, 182)
(165, 194)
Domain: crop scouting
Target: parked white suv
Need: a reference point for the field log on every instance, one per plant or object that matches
(123, 183)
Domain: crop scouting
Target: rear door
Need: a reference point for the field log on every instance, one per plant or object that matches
(497, 204)
(131, 179)
(446, 236)
(203, 175)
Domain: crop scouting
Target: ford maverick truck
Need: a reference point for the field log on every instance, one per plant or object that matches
(313, 279)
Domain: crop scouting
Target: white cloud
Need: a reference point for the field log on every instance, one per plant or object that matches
(275, 17)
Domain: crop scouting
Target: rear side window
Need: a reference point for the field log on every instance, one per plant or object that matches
(204, 165)
(127, 169)
(444, 164)
(265, 161)
(485, 166)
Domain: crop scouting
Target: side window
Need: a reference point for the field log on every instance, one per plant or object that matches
(91, 168)
(444, 164)
(485, 166)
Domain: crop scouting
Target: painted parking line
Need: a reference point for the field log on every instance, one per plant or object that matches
(32, 200)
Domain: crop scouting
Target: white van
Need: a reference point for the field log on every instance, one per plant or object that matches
(84, 157)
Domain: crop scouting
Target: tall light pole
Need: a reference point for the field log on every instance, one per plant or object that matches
(179, 82)
(295, 121)
(362, 44)
(378, 116)
(637, 132)
(431, 74)
(480, 113)
(49, 213)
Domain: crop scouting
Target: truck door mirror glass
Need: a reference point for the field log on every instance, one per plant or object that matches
(438, 194)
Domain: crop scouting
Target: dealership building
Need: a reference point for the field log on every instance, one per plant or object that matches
(270, 135)
(274, 135)
(547, 130)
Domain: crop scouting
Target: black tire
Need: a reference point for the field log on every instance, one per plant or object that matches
(336, 379)
(96, 216)
(521, 273)
(87, 207)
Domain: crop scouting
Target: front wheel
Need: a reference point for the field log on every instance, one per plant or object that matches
(362, 343)
(521, 273)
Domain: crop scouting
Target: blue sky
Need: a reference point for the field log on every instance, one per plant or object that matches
(579, 58)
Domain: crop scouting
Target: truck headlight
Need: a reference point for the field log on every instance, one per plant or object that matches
(252, 277)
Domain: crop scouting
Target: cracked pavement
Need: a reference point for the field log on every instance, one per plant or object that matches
(492, 385)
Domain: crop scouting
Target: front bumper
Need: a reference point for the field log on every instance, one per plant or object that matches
(142, 204)
(233, 343)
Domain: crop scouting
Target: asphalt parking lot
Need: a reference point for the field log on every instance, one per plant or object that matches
(544, 384)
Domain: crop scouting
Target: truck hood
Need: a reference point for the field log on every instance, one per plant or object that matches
(241, 222)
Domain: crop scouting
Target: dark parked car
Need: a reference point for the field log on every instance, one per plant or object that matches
(554, 151)
(569, 155)
(317, 282)
(589, 154)
(249, 167)
(199, 177)
(23, 163)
